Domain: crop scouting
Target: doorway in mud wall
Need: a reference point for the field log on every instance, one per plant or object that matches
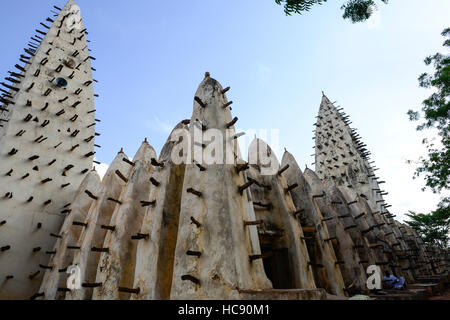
(278, 267)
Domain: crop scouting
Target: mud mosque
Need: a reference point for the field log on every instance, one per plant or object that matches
(155, 228)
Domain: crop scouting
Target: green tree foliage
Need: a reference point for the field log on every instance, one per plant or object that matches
(434, 227)
(436, 114)
(355, 10)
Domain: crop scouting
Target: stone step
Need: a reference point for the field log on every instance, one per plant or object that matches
(395, 296)
(334, 297)
(421, 294)
(284, 294)
(432, 289)
(409, 294)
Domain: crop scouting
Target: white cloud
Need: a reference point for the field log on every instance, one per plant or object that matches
(101, 168)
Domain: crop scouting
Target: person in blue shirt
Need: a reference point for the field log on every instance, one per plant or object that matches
(392, 282)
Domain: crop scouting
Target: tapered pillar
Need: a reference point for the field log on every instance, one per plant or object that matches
(54, 282)
(350, 263)
(280, 232)
(117, 266)
(327, 272)
(217, 254)
(156, 251)
(47, 130)
(369, 232)
(97, 225)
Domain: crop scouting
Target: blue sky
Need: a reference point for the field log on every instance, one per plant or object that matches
(151, 56)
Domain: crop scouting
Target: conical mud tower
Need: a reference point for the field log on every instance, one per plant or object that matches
(97, 225)
(116, 267)
(417, 252)
(350, 263)
(286, 256)
(362, 214)
(54, 281)
(323, 258)
(348, 217)
(342, 159)
(156, 250)
(217, 252)
(47, 130)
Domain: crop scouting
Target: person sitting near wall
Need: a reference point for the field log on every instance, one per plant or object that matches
(392, 282)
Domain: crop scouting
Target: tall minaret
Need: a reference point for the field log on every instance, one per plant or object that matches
(342, 158)
(47, 132)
